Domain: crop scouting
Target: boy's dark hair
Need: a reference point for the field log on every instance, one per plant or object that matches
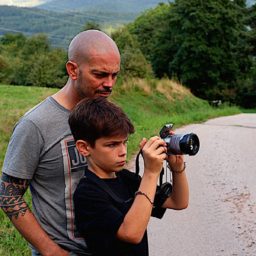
(92, 119)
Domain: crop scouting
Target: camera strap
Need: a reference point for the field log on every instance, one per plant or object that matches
(163, 192)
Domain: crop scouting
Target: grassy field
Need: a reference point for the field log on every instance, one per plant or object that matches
(149, 104)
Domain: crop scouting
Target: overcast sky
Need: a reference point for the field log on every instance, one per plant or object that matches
(23, 3)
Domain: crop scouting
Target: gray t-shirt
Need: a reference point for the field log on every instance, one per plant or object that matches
(42, 150)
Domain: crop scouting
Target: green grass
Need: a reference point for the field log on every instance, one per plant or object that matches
(249, 110)
(148, 111)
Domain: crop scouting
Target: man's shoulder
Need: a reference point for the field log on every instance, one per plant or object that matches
(45, 107)
(45, 112)
(35, 112)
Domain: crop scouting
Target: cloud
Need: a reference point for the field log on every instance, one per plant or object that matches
(22, 3)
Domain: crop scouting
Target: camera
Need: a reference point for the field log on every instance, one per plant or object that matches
(179, 144)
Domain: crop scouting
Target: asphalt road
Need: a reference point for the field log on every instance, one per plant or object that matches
(221, 217)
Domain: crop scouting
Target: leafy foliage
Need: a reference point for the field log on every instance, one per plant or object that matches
(133, 63)
(251, 22)
(248, 93)
(92, 25)
(203, 44)
(31, 61)
(209, 34)
(149, 30)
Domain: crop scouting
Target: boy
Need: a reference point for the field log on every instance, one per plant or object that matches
(113, 205)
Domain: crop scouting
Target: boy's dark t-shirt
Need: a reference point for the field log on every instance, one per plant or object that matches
(98, 216)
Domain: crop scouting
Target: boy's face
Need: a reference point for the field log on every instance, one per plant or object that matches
(108, 155)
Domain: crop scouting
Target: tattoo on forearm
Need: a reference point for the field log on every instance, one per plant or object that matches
(11, 196)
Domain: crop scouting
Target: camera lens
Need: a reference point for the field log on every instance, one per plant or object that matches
(189, 144)
(179, 144)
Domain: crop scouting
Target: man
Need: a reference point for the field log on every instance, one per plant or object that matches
(41, 152)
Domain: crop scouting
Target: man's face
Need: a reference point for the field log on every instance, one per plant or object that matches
(98, 75)
(108, 155)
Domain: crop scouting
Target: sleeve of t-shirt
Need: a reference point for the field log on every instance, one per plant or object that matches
(23, 151)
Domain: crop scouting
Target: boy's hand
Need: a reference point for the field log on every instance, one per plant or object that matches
(154, 153)
(176, 162)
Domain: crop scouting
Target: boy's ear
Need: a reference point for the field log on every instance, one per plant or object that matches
(83, 147)
(72, 69)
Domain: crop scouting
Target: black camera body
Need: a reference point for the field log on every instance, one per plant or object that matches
(180, 144)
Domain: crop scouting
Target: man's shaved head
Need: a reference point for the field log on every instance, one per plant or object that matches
(88, 42)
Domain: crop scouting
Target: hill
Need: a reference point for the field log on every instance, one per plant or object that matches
(59, 26)
(119, 6)
(61, 20)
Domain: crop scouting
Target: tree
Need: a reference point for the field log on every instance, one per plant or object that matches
(48, 70)
(92, 25)
(149, 30)
(11, 46)
(207, 52)
(251, 22)
(203, 44)
(133, 62)
(31, 61)
(248, 93)
(31, 51)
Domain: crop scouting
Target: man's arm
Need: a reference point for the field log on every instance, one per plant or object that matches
(13, 204)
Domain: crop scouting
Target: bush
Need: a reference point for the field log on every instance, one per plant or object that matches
(31, 61)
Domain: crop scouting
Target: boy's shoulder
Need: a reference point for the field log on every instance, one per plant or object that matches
(90, 179)
(131, 179)
(126, 174)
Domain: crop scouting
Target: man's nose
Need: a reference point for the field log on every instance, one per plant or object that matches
(109, 81)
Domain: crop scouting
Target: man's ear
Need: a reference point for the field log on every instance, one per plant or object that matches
(72, 69)
(83, 147)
